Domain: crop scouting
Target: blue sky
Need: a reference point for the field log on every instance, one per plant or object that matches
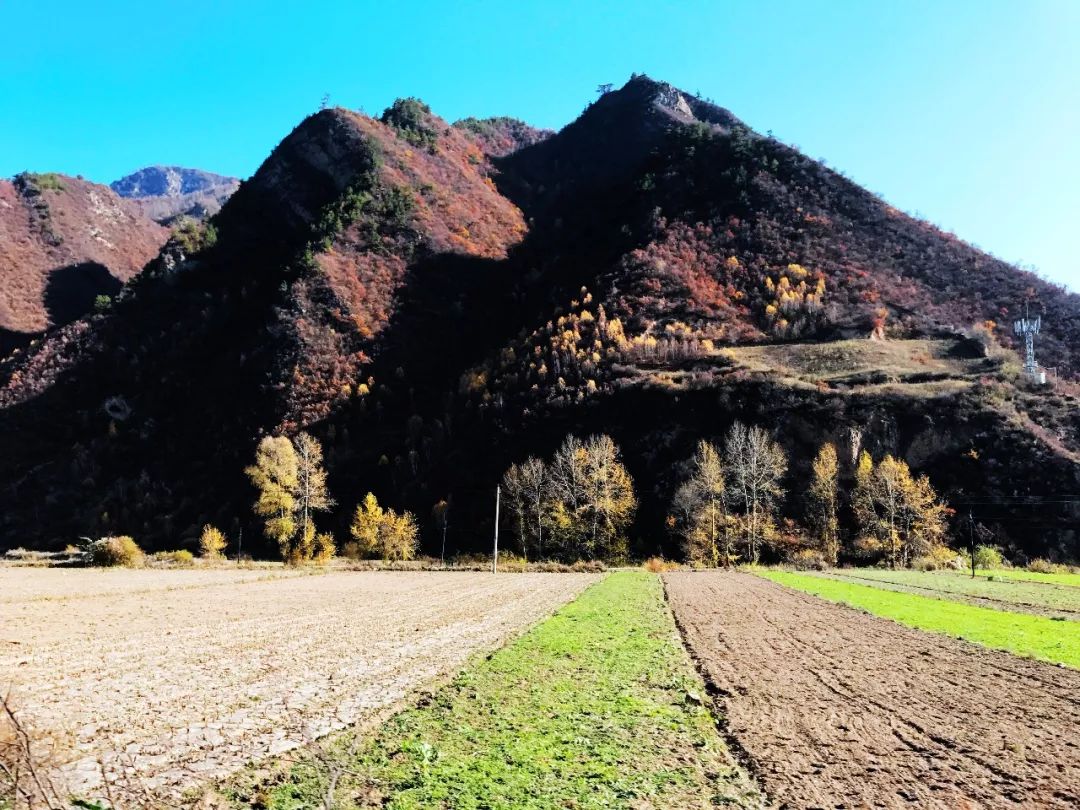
(966, 112)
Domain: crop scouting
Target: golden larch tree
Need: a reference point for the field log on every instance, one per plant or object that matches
(700, 510)
(275, 475)
(822, 502)
(312, 494)
(212, 542)
(364, 528)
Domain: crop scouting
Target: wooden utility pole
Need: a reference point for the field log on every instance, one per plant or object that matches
(495, 553)
(971, 541)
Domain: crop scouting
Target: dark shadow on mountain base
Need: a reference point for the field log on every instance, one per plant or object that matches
(71, 291)
(10, 340)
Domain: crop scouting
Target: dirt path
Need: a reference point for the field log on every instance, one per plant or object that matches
(193, 678)
(836, 708)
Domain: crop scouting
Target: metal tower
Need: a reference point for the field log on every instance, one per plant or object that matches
(1029, 328)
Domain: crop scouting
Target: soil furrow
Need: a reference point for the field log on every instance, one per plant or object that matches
(837, 708)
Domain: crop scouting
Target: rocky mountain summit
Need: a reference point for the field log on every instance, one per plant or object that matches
(165, 193)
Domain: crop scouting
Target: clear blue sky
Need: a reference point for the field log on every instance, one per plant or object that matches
(964, 111)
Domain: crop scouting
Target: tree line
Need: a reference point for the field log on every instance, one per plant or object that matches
(726, 509)
(580, 503)
(291, 482)
(577, 506)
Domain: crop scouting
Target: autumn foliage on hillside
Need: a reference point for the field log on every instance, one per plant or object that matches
(433, 302)
(502, 135)
(63, 241)
(430, 193)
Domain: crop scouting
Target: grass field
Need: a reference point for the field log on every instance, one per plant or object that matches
(920, 367)
(1020, 575)
(597, 707)
(1033, 636)
(1024, 595)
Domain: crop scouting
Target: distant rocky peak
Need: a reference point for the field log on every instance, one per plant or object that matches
(169, 181)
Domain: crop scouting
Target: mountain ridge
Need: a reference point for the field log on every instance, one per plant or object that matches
(434, 302)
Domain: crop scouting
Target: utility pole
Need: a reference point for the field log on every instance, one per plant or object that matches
(495, 553)
(240, 545)
(971, 541)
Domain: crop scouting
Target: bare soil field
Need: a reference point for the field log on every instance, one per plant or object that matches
(26, 583)
(178, 676)
(837, 708)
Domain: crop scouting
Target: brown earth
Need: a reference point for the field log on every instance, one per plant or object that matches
(182, 677)
(837, 708)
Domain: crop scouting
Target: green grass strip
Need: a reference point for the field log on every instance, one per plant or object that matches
(1032, 636)
(953, 584)
(1019, 574)
(597, 707)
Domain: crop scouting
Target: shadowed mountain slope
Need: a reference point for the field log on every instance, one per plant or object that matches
(435, 301)
(64, 241)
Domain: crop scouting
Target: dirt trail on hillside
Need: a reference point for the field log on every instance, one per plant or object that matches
(837, 708)
(180, 679)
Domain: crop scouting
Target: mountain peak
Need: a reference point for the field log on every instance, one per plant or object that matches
(168, 181)
(649, 94)
(166, 193)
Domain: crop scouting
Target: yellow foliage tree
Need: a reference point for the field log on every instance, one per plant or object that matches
(897, 513)
(383, 532)
(324, 548)
(700, 510)
(822, 497)
(212, 542)
(312, 494)
(585, 498)
(365, 525)
(275, 475)
(292, 487)
(398, 536)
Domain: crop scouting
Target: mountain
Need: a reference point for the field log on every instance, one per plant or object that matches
(63, 242)
(435, 302)
(165, 193)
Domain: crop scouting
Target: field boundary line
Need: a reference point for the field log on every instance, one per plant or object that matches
(265, 770)
(1025, 637)
(738, 752)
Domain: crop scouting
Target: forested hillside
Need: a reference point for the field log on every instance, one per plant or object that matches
(434, 302)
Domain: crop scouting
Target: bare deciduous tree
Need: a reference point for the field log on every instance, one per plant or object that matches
(755, 466)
